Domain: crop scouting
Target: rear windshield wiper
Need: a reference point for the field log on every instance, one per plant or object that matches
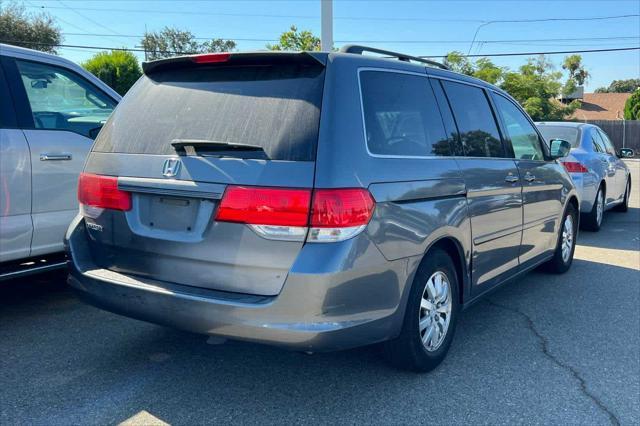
(190, 146)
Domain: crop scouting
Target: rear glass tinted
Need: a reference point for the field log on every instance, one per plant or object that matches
(401, 115)
(274, 107)
(569, 134)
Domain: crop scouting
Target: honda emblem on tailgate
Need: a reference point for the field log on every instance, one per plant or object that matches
(171, 167)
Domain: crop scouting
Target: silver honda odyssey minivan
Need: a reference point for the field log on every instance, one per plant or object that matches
(316, 201)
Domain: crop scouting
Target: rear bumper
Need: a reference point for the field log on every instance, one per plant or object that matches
(586, 185)
(323, 306)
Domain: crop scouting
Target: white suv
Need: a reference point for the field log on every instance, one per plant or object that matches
(50, 111)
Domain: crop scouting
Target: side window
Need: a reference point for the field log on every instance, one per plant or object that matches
(476, 124)
(401, 115)
(598, 143)
(62, 100)
(447, 117)
(608, 146)
(523, 137)
(7, 113)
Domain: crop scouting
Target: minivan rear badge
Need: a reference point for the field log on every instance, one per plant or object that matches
(171, 167)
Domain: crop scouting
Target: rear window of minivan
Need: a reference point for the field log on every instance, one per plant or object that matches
(276, 107)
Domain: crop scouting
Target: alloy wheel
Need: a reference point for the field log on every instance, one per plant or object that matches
(599, 207)
(567, 238)
(435, 311)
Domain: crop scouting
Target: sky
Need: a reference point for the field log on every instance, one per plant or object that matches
(412, 27)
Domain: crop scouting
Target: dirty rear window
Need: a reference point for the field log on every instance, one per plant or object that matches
(276, 107)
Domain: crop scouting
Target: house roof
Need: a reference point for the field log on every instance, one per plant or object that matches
(601, 106)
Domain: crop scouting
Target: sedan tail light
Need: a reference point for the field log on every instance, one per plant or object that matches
(96, 192)
(574, 167)
(292, 214)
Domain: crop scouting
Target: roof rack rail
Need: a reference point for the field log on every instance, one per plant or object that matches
(358, 50)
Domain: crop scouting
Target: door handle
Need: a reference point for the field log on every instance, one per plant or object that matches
(55, 157)
(511, 178)
(529, 177)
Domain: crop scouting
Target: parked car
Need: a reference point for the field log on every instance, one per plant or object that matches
(316, 201)
(50, 111)
(602, 179)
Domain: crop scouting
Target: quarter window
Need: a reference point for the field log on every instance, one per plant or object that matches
(476, 124)
(62, 100)
(598, 143)
(523, 137)
(401, 115)
(608, 146)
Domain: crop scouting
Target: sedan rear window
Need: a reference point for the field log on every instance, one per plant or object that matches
(569, 134)
(275, 107)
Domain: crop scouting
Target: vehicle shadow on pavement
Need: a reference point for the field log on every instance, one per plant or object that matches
(620, 231)
(82, 365)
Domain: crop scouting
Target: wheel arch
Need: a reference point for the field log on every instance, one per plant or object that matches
(603, 185)
(573, 201)
(454, 249)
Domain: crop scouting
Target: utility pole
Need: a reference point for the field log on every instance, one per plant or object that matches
(326, 33)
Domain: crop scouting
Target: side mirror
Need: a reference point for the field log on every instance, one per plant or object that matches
(626, 153)
(559, 148)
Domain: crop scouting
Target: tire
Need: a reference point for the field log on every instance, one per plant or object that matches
(561, 261)
(592, 221)
(624, 205)
(407, 351)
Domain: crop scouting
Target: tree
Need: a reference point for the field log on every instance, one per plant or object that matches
(632, 106)
(621, 86)
(483, 68)
(119, 69)
(170, 42)
(535, 86)
(34, 31)
(296, 40)
(488, 71)
(577, 73)
(218, 45)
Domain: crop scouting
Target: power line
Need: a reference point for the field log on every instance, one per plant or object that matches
(87, 18)
(351, 18)
(511, 21)
(188, 12)
(542, 40)
(555, 52)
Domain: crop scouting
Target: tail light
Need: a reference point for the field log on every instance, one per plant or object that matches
(265, 206)
(96, 192)
(339, 214)
(574, 167)
(323, 215)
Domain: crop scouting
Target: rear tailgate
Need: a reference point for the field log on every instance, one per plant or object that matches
(270, 103)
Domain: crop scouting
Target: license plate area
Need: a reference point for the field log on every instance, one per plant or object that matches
(170, 217)
(168, 213)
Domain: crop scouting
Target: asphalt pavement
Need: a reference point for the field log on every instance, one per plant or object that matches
(546, 349)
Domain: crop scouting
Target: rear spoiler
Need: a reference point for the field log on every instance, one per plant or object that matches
(233, 59)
